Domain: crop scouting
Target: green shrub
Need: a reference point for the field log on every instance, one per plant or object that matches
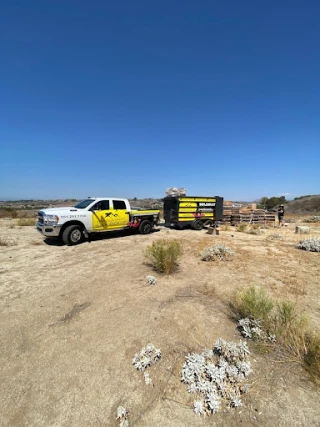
(242, 227)
(23, 222)
(254, 302)
(164, 255)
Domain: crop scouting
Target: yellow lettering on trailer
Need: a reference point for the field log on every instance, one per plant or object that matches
(200, 215)
(187, 210)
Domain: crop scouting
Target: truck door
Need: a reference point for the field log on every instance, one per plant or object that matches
(119, 216)
(100, 215)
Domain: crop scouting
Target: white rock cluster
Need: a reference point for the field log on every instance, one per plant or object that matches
(311, 245)
(253, 329)
(217, 375)
(147, 357)
(122, 416)
(217, 252)
(151, 280)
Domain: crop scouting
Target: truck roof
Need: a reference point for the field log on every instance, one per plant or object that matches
(106, 198)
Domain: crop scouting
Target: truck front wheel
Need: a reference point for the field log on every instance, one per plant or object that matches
(72, 235)
(145, 227)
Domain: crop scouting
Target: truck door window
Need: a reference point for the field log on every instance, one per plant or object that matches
(119, 204)
(103, 205)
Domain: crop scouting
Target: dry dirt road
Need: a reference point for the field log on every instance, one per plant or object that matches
(72, 318)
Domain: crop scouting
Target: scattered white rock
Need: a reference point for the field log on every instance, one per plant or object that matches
(151, 280)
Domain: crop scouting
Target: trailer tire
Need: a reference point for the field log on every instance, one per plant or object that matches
(209, 223)
(145, 227)
(197, 225)
(72, 235)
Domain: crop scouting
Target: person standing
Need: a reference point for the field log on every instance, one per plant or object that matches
(281, 215)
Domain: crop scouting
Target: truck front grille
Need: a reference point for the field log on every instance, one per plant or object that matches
(40, 217)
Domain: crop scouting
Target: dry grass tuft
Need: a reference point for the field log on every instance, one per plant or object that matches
(25, 222)
(312, 355)
(6, 242)
(275, 236)
(226, 226)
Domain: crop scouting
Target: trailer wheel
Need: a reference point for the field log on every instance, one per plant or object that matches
(209, 223)
(197, 225)
(145, 227)
(72, 235)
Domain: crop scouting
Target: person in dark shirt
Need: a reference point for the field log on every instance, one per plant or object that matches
(280, 214)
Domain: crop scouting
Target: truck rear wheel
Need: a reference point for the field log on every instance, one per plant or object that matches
(197, 225)
(145, 227)
(72, 235)
(208, 223)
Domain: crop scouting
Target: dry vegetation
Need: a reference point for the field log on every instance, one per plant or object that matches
(74, 317)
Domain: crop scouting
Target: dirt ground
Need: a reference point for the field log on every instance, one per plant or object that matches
(72, 318)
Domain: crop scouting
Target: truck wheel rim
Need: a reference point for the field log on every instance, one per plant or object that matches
(75, 235)
(147, 227)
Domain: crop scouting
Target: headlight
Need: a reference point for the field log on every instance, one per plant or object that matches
(50, 219)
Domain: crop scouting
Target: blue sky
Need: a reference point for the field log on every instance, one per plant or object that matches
(128, 98)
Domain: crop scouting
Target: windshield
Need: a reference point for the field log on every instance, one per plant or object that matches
(84, 204)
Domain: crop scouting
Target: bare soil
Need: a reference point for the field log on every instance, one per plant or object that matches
(72, 319)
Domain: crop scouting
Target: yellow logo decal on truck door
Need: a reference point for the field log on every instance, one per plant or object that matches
(110, 219)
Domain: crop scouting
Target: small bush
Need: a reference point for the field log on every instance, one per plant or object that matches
(217, 252)
(226, 226)
(23, 222)
(311, 245)
(242, 227)
(164, 254)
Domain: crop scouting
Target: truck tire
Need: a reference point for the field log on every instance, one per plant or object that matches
(197, 225)
(209, 223)
(145, 227)
(72, 235)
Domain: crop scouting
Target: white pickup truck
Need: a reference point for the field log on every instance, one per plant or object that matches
(94, 215)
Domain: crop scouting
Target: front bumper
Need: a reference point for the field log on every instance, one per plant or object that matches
(48, 230)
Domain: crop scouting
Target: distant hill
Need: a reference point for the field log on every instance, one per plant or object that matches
(304, 205)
